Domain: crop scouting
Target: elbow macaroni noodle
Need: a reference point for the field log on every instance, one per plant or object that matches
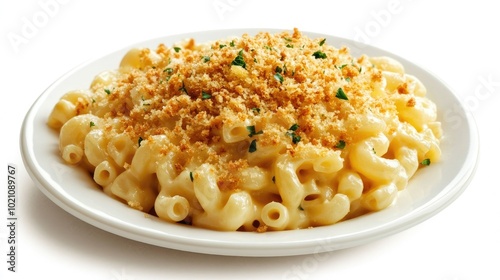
(253, 133)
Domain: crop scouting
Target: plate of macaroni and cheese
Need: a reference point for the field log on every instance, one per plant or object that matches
(250, 143)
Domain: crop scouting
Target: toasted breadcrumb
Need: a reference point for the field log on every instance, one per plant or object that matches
(272, 81)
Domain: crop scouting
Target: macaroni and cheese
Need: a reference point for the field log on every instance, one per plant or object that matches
(253, 133)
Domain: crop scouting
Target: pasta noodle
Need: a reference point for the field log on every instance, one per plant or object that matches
(253, 133)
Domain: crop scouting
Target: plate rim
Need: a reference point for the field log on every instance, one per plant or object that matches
(429, 209)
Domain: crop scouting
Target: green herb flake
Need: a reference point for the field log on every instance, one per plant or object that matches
(107, 91)
(239, 60)
(322, 42)
(253, 146)
(191, 176)
(139, 141)
(256, 110)
(319, 54)
(232, 44)
(291, 132)
(340, 145)
(168, 70)
(294, 127)
(92, 124)
(252, 132)
(205, 95)
(177, 49)
(426, 162)
(221, 46)
(341, 94)
(278, 77)
(206, 58)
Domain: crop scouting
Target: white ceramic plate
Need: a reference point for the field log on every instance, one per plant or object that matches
(431, 190)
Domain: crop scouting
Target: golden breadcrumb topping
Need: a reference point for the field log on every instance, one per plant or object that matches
(290, 89)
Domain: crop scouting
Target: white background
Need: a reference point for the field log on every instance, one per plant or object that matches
(457, 41)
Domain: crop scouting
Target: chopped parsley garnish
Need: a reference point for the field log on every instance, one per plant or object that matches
(341, 94)
(278, 77)
(239, 61)
(294, 127)
(168, 70)
(340, 145)
(252, 132)
(107, 91)
(206, 58)
(295, 138)
(92, 124)
(191, 176)
(319, 54)
(291, 132)
(205, 95)
(322, 42)
(177, 49)
(253, 146)
(139, 141)
(221, 46)
(426, 162)
(231, 44)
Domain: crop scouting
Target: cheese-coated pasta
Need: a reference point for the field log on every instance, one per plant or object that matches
(258, 133)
